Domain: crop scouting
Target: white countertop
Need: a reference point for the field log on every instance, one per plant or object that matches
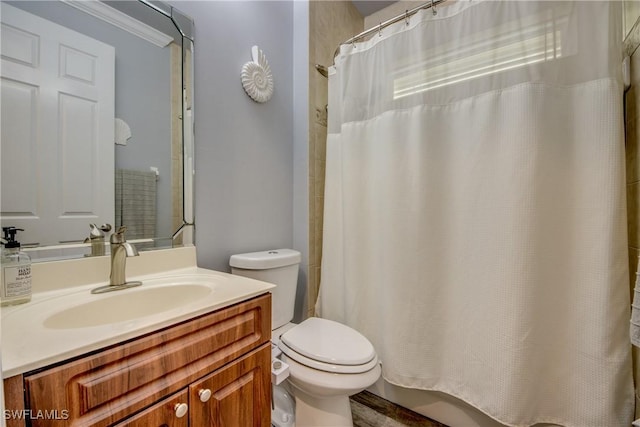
(29, 341)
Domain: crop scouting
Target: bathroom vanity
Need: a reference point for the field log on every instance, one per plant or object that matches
(205, 362)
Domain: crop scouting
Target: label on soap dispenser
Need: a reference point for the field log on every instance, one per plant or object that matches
(17, 281)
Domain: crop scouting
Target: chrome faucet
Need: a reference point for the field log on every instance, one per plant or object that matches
(96, 238)
(120, 250)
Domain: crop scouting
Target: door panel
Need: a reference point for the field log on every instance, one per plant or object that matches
(240, 394)
(58, 93)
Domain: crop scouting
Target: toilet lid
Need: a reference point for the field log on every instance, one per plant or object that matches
(329, 342)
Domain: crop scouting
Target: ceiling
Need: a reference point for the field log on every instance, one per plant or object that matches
(367, 7)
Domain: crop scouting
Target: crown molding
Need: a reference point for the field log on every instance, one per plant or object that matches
(121, 20)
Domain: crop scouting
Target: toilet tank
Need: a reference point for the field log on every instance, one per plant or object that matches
(278, 266)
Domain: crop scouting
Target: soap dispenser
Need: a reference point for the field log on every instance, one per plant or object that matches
(16, 270)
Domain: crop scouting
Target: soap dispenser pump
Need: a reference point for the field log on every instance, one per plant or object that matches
(16, 270)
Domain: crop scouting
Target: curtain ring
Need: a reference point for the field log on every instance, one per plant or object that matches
(406, 16)
(433, 8)
(380, 30)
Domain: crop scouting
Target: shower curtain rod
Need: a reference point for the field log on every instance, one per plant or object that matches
(379, 27)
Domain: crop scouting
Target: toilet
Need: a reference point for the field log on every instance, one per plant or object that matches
(327, 361)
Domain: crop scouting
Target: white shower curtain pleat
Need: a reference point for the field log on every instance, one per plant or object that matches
(475, 216)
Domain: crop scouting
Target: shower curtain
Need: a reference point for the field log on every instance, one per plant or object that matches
(475, 208)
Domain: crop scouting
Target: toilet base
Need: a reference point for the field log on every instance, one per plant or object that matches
(322, 412)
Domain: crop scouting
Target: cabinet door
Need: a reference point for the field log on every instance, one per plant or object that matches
(170, 412)
(238, 395)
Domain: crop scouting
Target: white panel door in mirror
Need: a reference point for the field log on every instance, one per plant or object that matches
(57, 100)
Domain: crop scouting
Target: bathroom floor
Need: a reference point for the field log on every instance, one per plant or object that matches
(370, 410)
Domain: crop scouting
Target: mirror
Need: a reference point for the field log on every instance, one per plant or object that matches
(96, 124)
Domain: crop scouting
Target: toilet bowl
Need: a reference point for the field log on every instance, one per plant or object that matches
(327, 361)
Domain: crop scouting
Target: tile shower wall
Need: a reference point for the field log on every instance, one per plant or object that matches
(390, 11)
(632, 143)
(632, 127)
(330, 23)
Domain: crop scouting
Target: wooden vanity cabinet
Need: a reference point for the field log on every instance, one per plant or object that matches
(217, 366)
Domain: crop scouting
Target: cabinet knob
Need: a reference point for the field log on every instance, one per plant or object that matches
(181, 409)
(205, 395)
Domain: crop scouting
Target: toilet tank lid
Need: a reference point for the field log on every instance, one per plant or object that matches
(265, 259)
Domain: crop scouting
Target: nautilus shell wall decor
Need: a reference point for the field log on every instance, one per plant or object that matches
(257, 80)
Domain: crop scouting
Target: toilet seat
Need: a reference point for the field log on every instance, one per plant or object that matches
(328, 346)
(327, 367)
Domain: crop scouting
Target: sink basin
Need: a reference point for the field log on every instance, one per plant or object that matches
(127, 305)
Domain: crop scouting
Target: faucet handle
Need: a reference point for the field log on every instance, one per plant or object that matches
(118, 236)
(97, 232)
(94, 231)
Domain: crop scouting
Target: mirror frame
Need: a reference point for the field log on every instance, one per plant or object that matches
(185, 25)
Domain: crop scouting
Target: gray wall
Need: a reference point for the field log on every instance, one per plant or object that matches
(243, 150)
(142, 96)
